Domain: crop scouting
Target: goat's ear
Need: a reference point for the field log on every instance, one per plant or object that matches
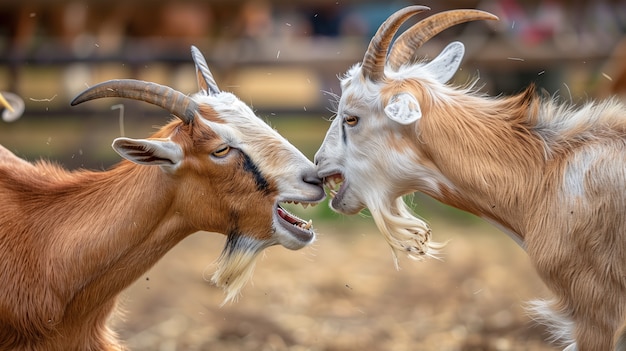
(160, 152)
(403, 108)
(444, 66)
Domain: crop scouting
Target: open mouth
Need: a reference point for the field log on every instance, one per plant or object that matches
(335, 185)
(300, 229)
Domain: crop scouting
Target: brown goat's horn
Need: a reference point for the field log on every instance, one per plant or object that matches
(405, 47)
(374, 61)
(174, 101)
(206, 82)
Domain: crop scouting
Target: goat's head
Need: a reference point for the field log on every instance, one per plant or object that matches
(230, 169)
(369, 156)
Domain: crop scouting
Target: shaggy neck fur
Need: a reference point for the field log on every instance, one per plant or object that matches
(506, 156)
(553, 176)
(483, 153)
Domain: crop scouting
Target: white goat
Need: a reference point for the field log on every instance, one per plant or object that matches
(71, 241)
(552, 176)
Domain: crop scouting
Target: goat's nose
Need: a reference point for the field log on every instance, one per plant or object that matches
(310, 176)
(316, 160)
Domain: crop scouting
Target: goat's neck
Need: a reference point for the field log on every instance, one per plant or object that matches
(490, 159)
(116, 225)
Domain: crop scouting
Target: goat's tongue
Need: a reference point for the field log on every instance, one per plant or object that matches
(293, 220)
(286, 216)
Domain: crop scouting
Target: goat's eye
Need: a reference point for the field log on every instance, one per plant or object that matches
(222, 151)
(351, 120)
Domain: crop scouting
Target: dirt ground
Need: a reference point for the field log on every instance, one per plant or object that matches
(343, 293)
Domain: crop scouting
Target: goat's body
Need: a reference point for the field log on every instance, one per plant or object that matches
(556, 177)
(578, 244)
(70, 242)
(553, 176)
(65, 237)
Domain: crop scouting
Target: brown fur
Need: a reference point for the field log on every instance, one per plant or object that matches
(71, 241)
(506, 168)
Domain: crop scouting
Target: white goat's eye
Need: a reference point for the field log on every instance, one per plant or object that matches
(222, 151)
(351, 120)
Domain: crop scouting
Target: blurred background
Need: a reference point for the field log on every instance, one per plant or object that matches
(282, 58)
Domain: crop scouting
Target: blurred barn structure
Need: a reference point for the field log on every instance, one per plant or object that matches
(282, 55)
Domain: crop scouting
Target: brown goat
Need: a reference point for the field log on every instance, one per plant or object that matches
(70, 242)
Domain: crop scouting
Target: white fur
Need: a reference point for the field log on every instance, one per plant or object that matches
(560, 327)
(445, 65)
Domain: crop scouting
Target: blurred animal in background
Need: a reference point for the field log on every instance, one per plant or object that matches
(70, 242)
(551, 175)
(11, 106)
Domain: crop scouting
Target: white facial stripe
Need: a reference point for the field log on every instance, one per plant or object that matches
(277, 160)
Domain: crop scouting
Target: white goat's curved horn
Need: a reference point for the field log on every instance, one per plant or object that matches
(171, 100)
(206, 82)
(404, 49)
(373, 66)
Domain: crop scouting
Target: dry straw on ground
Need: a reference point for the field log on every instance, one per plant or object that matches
(342, 294)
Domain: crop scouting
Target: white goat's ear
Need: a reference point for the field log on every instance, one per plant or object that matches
(445, 65)
(403, 108)
(160, 152)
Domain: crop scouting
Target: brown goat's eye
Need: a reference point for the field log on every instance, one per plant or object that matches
(351, 120)
(222, 151)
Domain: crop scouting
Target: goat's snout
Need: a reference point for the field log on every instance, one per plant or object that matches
(310, 176)
(316, 160)
(320, 162)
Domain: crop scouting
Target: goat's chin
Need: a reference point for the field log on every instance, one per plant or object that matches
(346, 204)
(344, 208)
(293, 241)
(235, 265)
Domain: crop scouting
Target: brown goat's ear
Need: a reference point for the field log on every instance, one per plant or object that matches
(159, 152)
(403, 108)
(445, 65)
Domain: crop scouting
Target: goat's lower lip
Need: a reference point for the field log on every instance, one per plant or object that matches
(331, 182)
(294, 225)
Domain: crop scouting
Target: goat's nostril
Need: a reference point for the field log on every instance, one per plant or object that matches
(311, 178)
(317, 160)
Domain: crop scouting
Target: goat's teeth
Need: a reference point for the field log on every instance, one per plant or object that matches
(308, 224)
(331, 183)
(333, 193)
